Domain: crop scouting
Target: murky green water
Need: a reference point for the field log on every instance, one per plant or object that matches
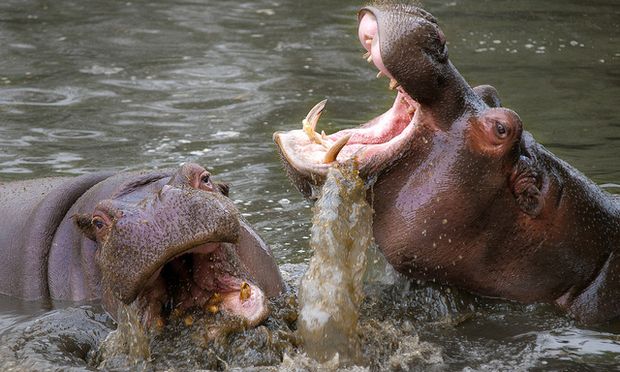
(88, 85)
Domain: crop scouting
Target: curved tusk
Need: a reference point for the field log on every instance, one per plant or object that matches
(309, 123)
(333, 151)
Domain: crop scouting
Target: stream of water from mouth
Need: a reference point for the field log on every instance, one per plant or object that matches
(130, 340)
(331, 291)
(111, 85)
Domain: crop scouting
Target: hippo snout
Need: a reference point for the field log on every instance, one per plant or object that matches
(145, 237)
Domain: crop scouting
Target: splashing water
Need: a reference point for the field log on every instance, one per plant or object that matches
(129, 341)
(331, 290)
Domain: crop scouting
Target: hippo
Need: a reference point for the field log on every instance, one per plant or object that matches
(462, 194)
(166, 241)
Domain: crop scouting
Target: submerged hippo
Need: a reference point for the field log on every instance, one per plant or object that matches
(167, 240)
(461, 193)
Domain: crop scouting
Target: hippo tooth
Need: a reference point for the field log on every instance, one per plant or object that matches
(309, 123)
(245, 291)
(369, 59)
(215, 299)
(366, 55)
(379, 74)
(369, 41)
(394, 84)
(312, 135)
(333, 151)
(159, 323)
(323, 135)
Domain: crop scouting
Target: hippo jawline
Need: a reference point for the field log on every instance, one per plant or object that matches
(374, 145)
(204, 279)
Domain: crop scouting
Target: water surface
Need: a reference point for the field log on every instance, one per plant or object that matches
(93, 85)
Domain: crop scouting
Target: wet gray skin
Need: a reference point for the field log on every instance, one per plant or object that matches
(167, 241)
(461, 192)
(147, 85)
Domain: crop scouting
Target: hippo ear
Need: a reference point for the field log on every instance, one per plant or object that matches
(526, 183)
(489, 95)
(223, 187)
(84, 222)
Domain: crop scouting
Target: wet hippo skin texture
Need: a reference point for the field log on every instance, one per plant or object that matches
(50, 249)
(466, 196)
(502, 217)
(31, 212)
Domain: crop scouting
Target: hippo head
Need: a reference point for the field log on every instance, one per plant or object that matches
(438, 158)
(434, 105)
(406, 46)
(176, 243)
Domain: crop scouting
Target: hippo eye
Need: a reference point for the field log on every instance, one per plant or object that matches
(98, 223)
(205, 178)
(500, 129)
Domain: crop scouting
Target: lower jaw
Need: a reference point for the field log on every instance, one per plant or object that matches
(250, 309)
(373, 145)
(175, 293)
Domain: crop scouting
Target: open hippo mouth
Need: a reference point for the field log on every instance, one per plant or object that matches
(201, 279)
(374, 145)
(173, 244)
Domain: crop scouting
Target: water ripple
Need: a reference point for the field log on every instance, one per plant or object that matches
(48, 97)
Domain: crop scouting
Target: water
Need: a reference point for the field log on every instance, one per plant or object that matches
(331, 290)
(129, 341)
(148, 84)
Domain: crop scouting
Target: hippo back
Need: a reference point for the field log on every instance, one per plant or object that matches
(30, 212)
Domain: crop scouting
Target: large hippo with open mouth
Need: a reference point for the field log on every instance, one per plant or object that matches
(167, 240)
(461, 193)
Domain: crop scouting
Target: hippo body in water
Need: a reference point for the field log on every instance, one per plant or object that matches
(461, 193)
(167, 240)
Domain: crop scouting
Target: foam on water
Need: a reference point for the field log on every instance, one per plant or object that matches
(331, 290)
(129, 341)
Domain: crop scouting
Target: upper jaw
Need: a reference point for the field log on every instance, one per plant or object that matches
(375, 145)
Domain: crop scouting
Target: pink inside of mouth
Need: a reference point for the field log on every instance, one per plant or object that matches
(190, 280)
(368, 30)
(379, 130)
(377, 141)
(390, 124)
